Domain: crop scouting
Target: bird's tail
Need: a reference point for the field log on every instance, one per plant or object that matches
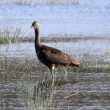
(75, 63)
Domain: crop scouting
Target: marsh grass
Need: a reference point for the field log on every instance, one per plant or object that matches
(30, 65)
(42, 93)
(8, 36)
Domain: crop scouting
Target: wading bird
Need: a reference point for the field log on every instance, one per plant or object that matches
(49, 56)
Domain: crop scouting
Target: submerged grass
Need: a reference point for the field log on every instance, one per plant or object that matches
(29, 65)
(43, 93)
(13, 67)
(8, 36)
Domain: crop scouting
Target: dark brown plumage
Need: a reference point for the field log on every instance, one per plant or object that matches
(49, 56)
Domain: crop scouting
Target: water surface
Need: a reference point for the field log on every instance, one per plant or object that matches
(77, 91)
(86, 18)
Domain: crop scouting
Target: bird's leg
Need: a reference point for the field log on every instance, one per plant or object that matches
(66, 73)
(53, 71)
(53, 83)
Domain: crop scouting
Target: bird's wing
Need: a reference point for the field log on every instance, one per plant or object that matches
(53, 50)
(55, 56)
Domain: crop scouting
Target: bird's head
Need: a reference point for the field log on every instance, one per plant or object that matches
(35, 25)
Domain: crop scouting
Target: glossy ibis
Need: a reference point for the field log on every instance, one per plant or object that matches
(49, 56)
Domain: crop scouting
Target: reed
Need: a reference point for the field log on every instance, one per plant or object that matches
(8, 36)
(39, 92)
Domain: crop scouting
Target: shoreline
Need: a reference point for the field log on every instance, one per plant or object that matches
(64, 38)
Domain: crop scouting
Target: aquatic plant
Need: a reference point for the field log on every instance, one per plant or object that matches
(28, 64)
(43, 95)
(8, 35)
(36, 91)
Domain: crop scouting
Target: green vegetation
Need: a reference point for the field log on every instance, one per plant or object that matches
(30, 65)
(43, 95)
(8, 36)
(38, 91)
(35, 88)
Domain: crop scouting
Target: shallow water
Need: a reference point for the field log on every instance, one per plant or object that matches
(88, 91)
(98, 47)
(77, 91)
(86, 18)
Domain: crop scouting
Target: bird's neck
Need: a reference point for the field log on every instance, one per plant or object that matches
(37, 39)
